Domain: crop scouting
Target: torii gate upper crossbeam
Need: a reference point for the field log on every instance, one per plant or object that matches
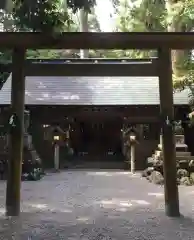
(116, 40)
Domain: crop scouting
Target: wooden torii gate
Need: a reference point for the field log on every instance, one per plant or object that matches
(162, 42)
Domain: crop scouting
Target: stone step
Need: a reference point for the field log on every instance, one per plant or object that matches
(179, 147)
(97, 165)
(159, 153)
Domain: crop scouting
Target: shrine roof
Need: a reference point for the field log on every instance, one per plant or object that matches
(91, 91)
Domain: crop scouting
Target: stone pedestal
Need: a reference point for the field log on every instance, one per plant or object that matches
(179, 141)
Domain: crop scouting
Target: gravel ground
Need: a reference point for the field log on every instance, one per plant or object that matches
(96, 206)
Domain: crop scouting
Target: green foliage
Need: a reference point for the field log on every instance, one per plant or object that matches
(157, 16)
(39, 15)
(5, 55)
(180, 18)
(149, 15)
(46, 15)
(43, 54)
(93, 23)
(51, 54)
(181, 14)
(7, 21)
(144, 16)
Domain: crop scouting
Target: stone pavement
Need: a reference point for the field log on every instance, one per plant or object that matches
(90, 205)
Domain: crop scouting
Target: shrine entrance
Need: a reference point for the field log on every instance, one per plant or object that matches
(99, 139)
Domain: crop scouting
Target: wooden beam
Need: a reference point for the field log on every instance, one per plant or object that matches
(89, 69)
(168, 140)
(143, 120)
(16, 135)
(57, 115)
(77, 40)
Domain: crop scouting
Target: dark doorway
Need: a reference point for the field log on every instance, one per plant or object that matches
(100, 138)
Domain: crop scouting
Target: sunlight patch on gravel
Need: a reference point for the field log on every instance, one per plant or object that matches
(157, 195)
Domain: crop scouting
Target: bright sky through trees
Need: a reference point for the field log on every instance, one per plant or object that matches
(104, 10)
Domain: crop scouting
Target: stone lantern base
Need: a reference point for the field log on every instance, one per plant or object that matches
(179, 141)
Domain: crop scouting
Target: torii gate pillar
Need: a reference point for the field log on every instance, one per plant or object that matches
(168, 139)
(17, 134)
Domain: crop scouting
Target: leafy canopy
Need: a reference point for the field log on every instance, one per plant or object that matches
(46, 15)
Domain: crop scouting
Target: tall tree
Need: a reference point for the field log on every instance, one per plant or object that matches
(83, 18)
(159, 15)
(6, 4)
(93, 22)
(180, 19)
(88, 22)
(144, 16)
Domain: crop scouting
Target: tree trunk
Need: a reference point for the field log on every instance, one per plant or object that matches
(180, 58)
(6, 5)
(65, 5)
(84, 53)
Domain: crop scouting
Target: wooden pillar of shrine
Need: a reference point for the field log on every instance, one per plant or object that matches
(16, 134)
(168, 139)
